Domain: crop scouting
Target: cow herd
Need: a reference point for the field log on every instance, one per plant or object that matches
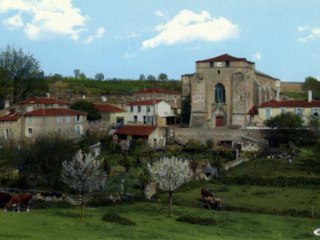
(15, 201)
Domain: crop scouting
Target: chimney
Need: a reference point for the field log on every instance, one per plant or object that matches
(278, 95)
(103, 98)
(12, 111)
(309, 95)
(6, 103)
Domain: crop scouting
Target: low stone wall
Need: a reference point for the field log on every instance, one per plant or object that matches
(216, 135)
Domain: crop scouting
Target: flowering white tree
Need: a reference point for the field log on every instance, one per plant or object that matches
(170, 173)
(84, 175)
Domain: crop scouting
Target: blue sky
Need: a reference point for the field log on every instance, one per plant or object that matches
(126, 38)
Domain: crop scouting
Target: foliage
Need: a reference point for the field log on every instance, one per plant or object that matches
(284, 128)
(84, 175)
(76, 73)
(170, 173)
(151, 78)
(311, 83)
(99, 76)
(125, 162)
(198, 220)
(163, 76)
(20, 69)
(116, 218)
(88, 107)
(142, 77)
(108, 145)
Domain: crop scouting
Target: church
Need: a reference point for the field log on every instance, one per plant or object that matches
(224, 92)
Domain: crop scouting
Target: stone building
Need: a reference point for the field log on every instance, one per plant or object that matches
(223, 90)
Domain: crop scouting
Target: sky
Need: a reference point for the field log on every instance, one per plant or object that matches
(126, 38)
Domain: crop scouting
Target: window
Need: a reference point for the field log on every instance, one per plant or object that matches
(299, 111)
(78, 118)
(29, 119)
(59, 119)
(68, 119)
(227, 63)
(131, 108)
(211, 64)
(219, 72)
(135, 118)
(78, 130)
(6, 133)
(148, 108)
(220, 93)
(144, 119)
(315, 112)
(268, 113)
(29, 132)
(283, 110)
(139, 108)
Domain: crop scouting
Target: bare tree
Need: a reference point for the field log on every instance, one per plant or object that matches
(170, 173)
(83, 174)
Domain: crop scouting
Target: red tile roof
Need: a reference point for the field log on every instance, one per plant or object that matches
(145, 102)
(223, 58)
(12, 117)
(291, 103)
(44, 100)
(135, 130)
(54, 112)
(156, 90)
(108, 108)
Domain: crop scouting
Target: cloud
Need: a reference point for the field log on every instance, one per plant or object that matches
(257, 56)
(312, 33)
(14, 22)
(47, 17)
(128, 35)
(188, 26)
(99, 34)
(158, 13)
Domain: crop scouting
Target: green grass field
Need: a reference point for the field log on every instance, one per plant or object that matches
(151, 223)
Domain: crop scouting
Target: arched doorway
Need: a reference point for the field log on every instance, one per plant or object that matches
(219, 121)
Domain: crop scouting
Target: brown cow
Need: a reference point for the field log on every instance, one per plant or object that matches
(4, 198)
(206, 193)
(22, 199)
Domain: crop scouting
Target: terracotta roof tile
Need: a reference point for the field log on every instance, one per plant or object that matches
(44, 100)
(12, 117)
(145, 102)
(156, 90)
(223, 58)
(291, 103)
(135, 130)
(54, 112)
(108, 108)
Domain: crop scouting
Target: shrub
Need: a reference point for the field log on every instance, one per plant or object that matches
(198, 220)
(116, 218)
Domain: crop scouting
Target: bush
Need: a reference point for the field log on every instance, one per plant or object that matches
(116, 218)
(198, 220)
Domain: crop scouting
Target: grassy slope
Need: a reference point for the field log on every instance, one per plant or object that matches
(151, 223)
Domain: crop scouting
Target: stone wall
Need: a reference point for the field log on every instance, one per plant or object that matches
(215, 134)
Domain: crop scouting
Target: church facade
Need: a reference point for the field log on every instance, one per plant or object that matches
(224, 91)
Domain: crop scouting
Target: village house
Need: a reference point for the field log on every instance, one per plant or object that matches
(112, 116)
(151, 112)
(304, 108)
(37, 115)
(154, 136)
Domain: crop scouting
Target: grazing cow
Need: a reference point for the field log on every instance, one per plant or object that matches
(206, 193)
(4, 198)
(22, 199)
(214, 202)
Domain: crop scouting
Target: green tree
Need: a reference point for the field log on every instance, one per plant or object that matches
(142, 77)
(76, 73)
(19, 68)
(163, 76)
(88, 107)
(285, 128)
(151, 78)
(312, 84)
(5, 84)
(99, 76)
